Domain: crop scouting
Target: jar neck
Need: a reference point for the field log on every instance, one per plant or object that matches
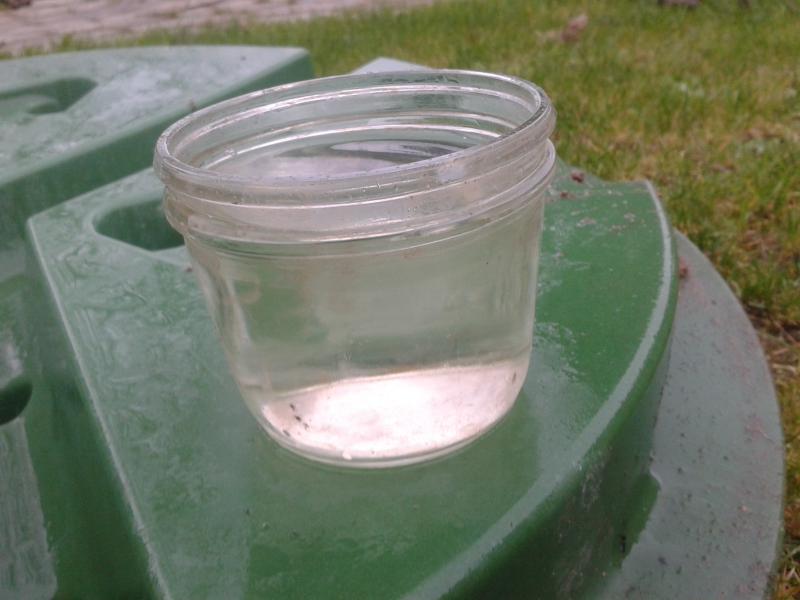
(510, 163)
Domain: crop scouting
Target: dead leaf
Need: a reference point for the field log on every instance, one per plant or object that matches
(574, 28)
(792, 519)
(683, 269)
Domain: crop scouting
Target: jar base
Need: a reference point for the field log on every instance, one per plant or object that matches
(392, 419)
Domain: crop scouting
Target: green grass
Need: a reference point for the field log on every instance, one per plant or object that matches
(705, 102)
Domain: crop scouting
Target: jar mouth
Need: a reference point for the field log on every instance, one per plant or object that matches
(356, 156)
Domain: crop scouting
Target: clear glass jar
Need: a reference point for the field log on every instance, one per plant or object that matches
(368, 247)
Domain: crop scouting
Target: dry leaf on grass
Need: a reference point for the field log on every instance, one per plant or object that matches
(570, 33)
(574, 28)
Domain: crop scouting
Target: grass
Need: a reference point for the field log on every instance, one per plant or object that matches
(704, 102)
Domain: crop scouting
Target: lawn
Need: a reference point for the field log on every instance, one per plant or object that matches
(704, 102)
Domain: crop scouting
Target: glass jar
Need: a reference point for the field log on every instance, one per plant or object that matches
(368, 246)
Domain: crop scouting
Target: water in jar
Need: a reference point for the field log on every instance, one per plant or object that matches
(379, 353)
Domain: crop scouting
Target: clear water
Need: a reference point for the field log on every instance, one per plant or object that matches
(378, 354)
(334, 158)
(386, 418)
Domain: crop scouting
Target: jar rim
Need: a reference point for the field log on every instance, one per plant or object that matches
(214, 197)
(167, 163)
